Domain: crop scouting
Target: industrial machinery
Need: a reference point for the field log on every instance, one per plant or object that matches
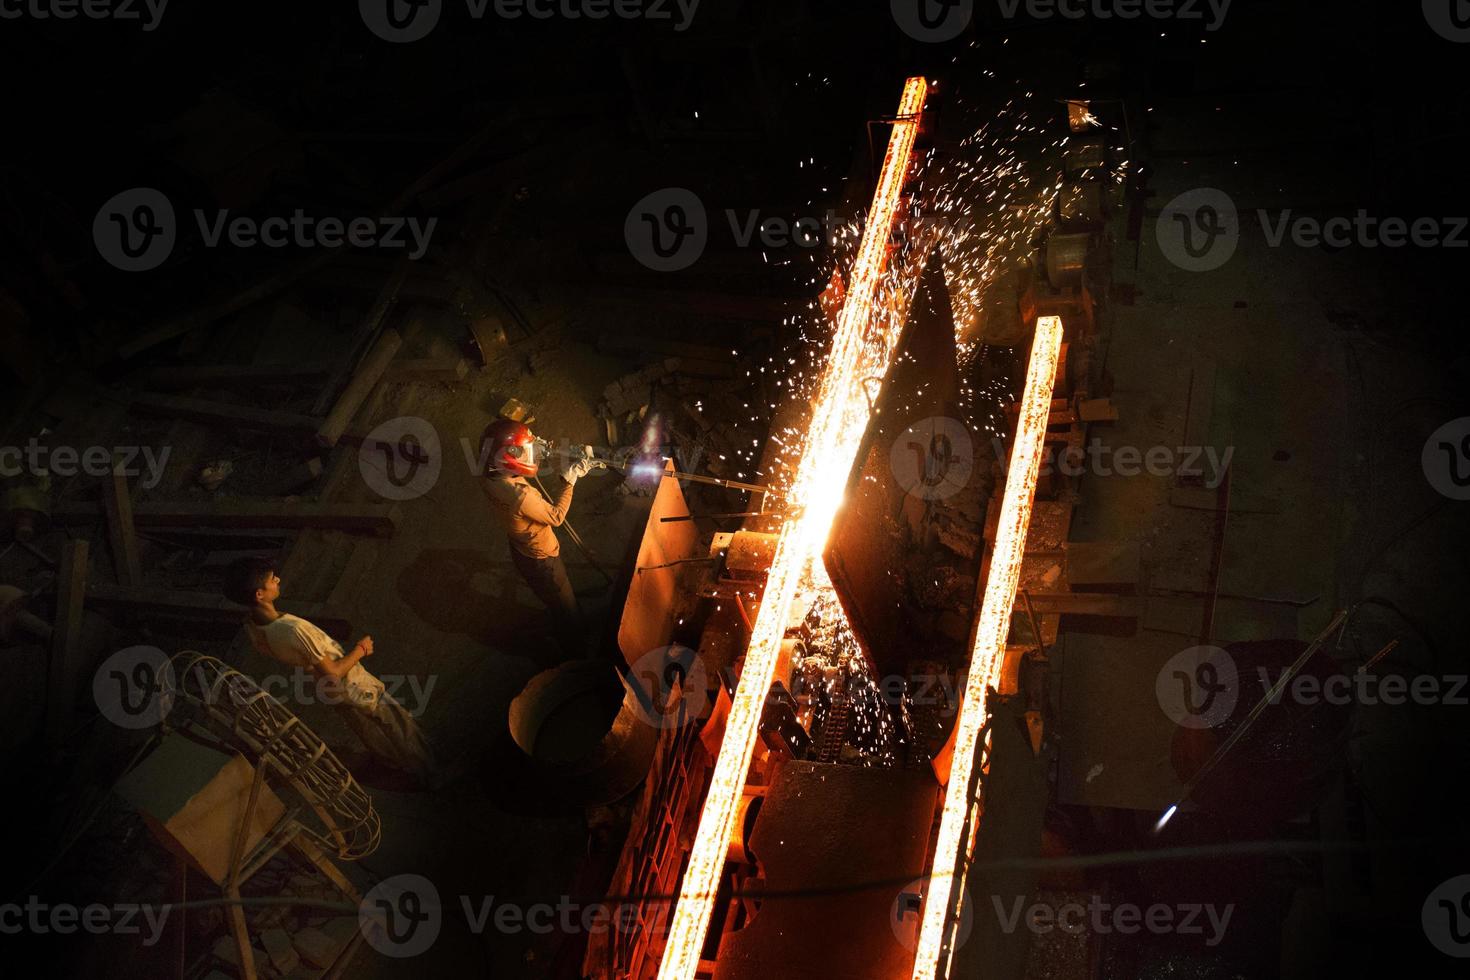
(822, 755)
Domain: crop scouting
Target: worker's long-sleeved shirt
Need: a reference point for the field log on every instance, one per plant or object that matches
(526, 515)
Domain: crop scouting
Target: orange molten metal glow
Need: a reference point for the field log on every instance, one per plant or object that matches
(839, 418)
(988, 652)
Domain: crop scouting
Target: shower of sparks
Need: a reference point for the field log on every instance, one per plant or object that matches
(986, 206)
(834, 672)
(988, 652)
(838, 419)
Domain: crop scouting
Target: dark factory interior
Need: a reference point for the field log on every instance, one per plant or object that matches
(736, 490)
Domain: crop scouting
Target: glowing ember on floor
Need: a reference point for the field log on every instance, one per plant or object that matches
(839, 417)
(988, 652)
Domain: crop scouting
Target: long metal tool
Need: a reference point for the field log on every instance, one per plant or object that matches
(1268, 698)
(713, 481)
(577, 539)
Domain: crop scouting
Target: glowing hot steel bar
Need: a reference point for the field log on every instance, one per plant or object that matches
(839, 418)
(988, 653)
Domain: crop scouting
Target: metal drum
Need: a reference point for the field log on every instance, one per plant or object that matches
(1066, 260)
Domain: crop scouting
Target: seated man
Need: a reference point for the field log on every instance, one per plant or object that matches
(385, 727)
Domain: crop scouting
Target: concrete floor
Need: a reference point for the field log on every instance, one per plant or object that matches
(1323, 386)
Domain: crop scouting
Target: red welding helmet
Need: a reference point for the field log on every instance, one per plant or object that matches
(508, 446)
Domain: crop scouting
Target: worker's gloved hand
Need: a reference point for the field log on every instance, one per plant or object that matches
(579, 469)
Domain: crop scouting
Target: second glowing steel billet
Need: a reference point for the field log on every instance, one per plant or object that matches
(987, 655)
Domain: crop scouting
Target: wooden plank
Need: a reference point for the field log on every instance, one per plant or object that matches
(206, 606)
(367, 330)
(237, 416)
(363, 380)
(221, 413)
(1100, 563)
(71, 588)
(297, 478)
(1084, 604)
(218, 308)
(174, 377)
(118, 505)
(364, 555)
(245, 377)
(1098, 410)
(428, 369)
(378, 519)
(1209, 500)
(674, 302)
(1200, 406)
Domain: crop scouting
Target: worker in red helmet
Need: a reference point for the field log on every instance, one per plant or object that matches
(512, 454)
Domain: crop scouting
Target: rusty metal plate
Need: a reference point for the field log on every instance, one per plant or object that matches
(839, 847)
(917, 457)
(659, 591)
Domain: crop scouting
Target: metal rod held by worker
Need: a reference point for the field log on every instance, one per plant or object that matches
(1269, 697)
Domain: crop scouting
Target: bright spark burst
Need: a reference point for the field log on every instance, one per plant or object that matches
(838, 419)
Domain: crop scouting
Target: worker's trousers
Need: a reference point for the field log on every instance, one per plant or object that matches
(548, 579)
(392, 735)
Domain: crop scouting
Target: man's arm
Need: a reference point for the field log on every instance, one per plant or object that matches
(535, 507)
(324, 664)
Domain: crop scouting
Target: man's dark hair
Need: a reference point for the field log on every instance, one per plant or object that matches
(244, 576)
